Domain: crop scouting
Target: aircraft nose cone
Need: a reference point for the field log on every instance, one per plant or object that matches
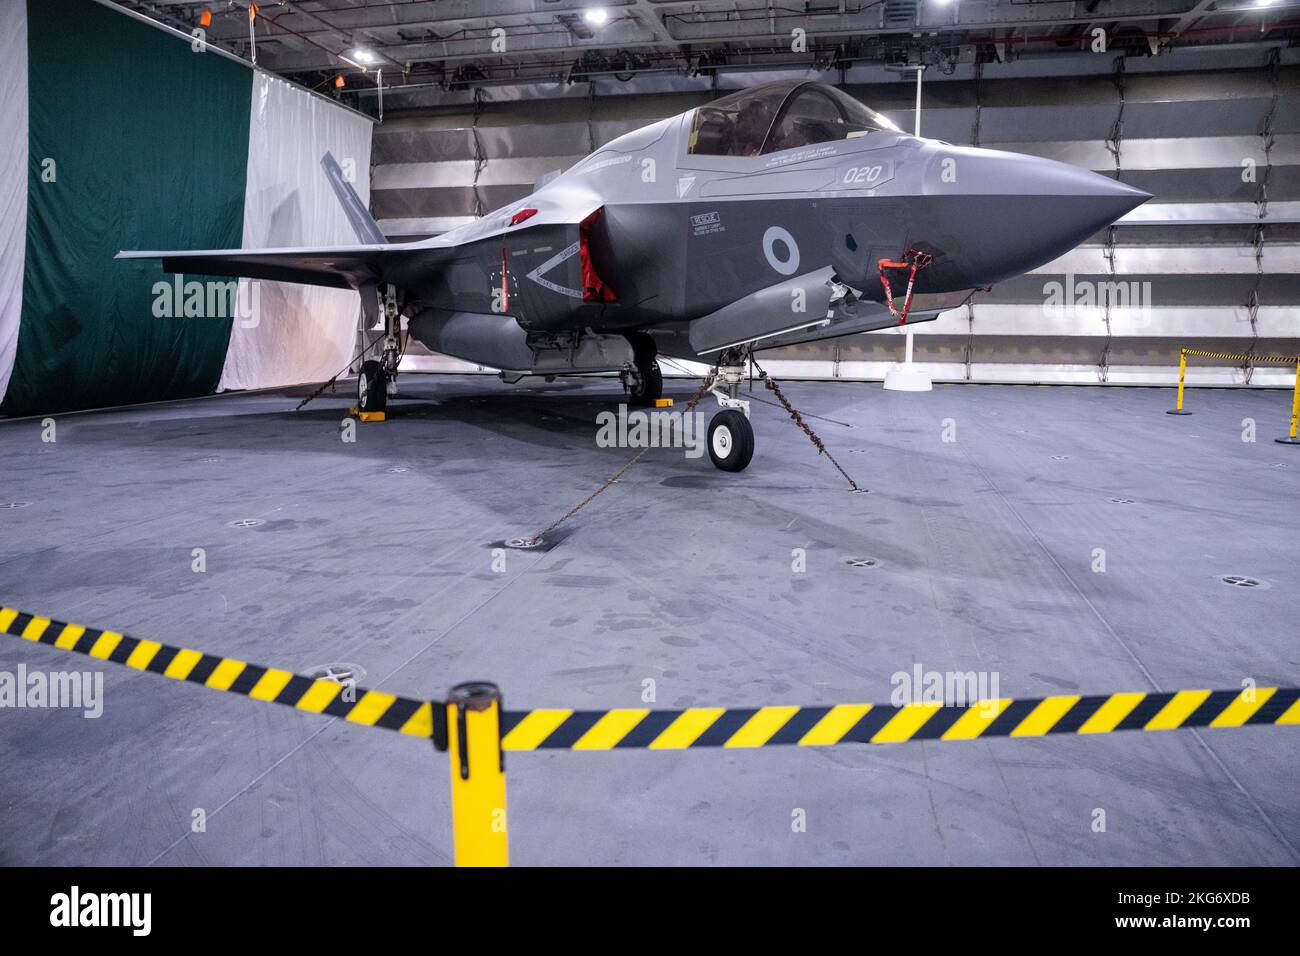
(1007, 213)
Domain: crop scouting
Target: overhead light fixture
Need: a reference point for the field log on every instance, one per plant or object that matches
(364, 55)
(596, 16)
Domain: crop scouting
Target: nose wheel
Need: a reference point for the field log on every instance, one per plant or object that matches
(731, 436)
(731, 440)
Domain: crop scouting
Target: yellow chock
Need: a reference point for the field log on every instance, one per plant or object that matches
(478, 775)
(663, 403)
(367, 416)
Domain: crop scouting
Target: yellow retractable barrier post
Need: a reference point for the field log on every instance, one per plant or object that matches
(478, 777)
(1291, 438)
(1182, 374)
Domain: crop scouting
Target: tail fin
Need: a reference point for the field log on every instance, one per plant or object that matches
(363, 224)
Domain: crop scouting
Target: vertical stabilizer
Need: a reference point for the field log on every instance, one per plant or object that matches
(363, 224)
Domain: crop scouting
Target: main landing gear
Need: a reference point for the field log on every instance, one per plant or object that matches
(643, 379)
(377, 380)
(372, 387)
(731, 437)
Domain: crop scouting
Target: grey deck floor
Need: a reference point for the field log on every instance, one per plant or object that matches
(681, 574)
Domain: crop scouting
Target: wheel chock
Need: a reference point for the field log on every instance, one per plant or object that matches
(367, 416)
(663, 403)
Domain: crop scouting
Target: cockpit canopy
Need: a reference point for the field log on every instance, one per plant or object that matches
(779, 116)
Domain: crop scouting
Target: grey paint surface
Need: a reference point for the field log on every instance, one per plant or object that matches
(681, 574)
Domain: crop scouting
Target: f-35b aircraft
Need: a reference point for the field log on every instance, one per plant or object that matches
(773, 216)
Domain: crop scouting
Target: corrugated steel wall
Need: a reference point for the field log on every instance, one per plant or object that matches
(1211, 262)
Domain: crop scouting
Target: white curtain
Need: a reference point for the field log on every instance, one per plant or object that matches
(285, 333)
(13, 178)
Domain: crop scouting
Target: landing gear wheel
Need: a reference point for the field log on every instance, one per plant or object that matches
(651, 387)
(647, 386)
(372, 387)
(731, 440)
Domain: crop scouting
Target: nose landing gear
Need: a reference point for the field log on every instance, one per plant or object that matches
(731, 437)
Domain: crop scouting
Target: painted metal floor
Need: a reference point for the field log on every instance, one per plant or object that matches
(379, 553)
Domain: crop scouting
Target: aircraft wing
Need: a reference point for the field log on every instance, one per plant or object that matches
(339, 267)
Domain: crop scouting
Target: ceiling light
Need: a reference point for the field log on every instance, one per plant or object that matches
(596, 16)
(364, 55)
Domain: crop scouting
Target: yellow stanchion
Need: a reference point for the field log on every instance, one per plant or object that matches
(1182, 374)
(1291, 438)
(478, 777)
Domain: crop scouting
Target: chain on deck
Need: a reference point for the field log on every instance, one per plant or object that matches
(802, 423)
(534, 540)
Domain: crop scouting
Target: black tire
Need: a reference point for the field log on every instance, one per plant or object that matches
(651, 388)
(731, 440)
(372, 387)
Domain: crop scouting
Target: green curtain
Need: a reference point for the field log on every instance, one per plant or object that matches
(149, 143)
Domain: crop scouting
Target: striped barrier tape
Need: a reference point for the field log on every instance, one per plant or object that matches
(887, 724)
(1283, 359)
(370, 708)
(643, 728)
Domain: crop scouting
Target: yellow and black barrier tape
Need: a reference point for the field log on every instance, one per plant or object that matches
(887, 724)
(370, 708)
(645, 728)
(1282, 359)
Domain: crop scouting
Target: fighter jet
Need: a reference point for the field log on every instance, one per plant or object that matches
(780, 214)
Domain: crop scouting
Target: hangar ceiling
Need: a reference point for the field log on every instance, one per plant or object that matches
(451, 44)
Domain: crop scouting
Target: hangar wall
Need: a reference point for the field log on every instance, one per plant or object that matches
(1211, 261)
(135, 140)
